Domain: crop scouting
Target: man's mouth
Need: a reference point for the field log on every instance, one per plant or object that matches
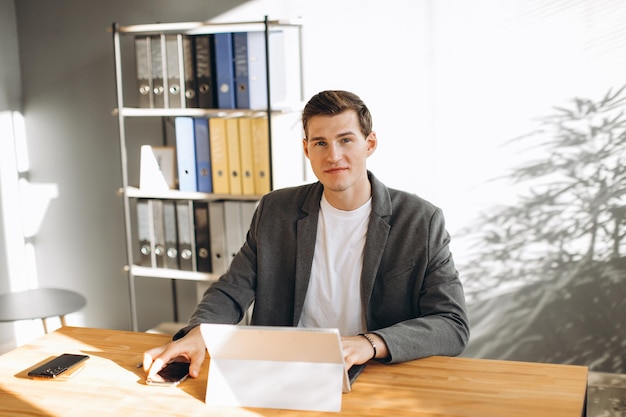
(335, 170)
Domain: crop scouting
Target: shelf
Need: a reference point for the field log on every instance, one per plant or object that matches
(196, 28)
(142, 271)
(175, 112)
(134, 192)
(198, 112)
(190, 217)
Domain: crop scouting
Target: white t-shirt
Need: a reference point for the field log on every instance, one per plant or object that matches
(333, 298)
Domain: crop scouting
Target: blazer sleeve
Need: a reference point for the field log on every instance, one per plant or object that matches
(440, 325)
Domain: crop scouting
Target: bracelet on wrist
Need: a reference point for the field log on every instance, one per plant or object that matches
(369, 339)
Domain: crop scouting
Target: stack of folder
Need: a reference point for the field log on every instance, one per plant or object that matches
(223, 155)
(191, 235)
(219, 155)
(219, 70)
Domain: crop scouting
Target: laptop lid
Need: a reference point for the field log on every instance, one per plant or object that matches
(275, 367)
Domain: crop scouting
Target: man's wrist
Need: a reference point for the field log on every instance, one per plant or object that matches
(371, 342)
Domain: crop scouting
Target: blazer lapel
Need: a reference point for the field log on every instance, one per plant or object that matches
(376, 240)
(306, 231)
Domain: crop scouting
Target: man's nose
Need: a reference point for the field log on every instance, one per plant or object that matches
(334, 153)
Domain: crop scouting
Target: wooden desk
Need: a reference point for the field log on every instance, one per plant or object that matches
(111, 384)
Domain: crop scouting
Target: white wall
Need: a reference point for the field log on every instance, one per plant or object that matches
(449, 81)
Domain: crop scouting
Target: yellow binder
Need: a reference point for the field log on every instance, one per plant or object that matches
(234, 161)
(219, 155)
(261, 155)
(247, 158)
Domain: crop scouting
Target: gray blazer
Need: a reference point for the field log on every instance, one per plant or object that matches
(413, 296)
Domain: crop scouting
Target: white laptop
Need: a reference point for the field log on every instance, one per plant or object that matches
(275, 367)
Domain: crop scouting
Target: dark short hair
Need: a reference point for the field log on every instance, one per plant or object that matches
(333, 102)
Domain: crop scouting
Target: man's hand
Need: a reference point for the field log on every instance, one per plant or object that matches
(190, 347)
(358, 350)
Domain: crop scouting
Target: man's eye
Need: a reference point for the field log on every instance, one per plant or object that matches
(320, 143)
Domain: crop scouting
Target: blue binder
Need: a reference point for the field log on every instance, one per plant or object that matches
(185, 154)
(222, 70)
(204, 178)
(250, 70)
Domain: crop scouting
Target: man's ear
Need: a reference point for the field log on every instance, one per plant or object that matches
(305, 146)
(372, 143)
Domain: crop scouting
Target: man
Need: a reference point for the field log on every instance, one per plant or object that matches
(345, 252)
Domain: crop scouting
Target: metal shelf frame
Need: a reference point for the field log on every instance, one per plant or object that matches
(121, 112)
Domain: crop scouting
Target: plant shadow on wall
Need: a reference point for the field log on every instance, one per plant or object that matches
(558, 255)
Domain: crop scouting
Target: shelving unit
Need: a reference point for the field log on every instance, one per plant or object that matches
(129, 191)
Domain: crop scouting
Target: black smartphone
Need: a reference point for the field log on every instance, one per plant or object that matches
(57, 367)
(172, 374)
(355, 371)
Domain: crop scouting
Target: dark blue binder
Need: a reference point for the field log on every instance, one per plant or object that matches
(222, 69)
(204, 178)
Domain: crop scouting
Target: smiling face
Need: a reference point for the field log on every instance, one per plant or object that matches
(337, 151)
